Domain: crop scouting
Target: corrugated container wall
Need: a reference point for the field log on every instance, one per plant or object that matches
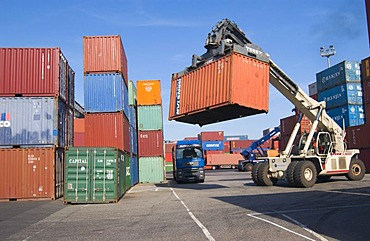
(31, 173)
(358, 136)
(33, 72)
(33, 121)
(134, 169)
(151, 169)
(212, 135)
(94, 175)
(353, 115)
(151, 143)
(236, 138)
(105, 54)
(346, 94)
(150, 117)
(132, 94)
(71, 87)
(312, 89)
(107, 130)
(213, 145)
(149, 92)
(344, 72)
(231, 87)
(105, 93)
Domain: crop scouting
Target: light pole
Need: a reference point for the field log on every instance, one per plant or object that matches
(327, 53)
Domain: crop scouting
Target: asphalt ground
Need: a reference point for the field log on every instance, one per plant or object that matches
(227, 206)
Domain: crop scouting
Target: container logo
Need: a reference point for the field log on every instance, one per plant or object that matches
(178, 96)
(5, 120)
(148, 88)
(331, 76)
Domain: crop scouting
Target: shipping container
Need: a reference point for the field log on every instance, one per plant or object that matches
(346, 94)
(240, 144)
(227, 147)
(213, 145)
(105, 93)
(134, 169)
(312, 89)
(33, 72)
(367, 112)
(344, 72)
(107, 130)
(365, 157)
(365, 69)
(79, 125)
(358, 136)
(168, 157)
(105, 54)
(191, 138)
(127, 172)
(132, 116)
(150, 117)
(70, 126)
(236, 138)
(223, 159)
(212, 135)
(149, 92)
(366, 91)
(151, 143)
(133, 140)
(31, 173)
(79, 139)
(231, 87)
(30, 121)
(132, 94)
(94, 175)
(353, 115)
(71, 87)
(169, 167)
(151, 170)
(168, 147)
(287, 124)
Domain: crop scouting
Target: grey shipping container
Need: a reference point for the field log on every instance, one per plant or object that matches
(30, 121)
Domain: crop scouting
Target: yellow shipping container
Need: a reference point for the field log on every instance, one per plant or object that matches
(149, 92)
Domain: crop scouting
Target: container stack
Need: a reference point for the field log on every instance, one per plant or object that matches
(36, 121)
(132, 108)
(168, 145)
(340, 87)
(150, 135)
(286, 127)
(106, 113)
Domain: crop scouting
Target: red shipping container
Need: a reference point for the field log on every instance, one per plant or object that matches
(105, 54)
(33, 72)
(107, 130)
(230, 87)
(191, 138)
(31, 173)
(168, 157)
(214, 152)
(150, 143)
(168, 147)
(212, 136)
(223, 159)
(358, 136)
(240, 144)
(227, 147)
(365, 157)
(79, 139)
(79, 125)
(366, 92)
(287, 124)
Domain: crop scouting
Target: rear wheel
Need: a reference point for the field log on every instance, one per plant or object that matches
(263, 176)
(305, 174)
(248, 167)
(356, 170)
(290, 173)
(254, 173)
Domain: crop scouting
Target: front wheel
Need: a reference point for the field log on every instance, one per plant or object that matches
(305, 174)
(263, 176)
(356, 170)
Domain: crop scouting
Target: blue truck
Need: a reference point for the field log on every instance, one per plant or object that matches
(250, 154)
(188, 161)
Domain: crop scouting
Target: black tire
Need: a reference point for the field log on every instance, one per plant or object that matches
(305, 174)
(263, 176)
(248, 167)
(174, 175)
(323, 178)
(290, 173)
(201, 181)
(254, 172)
(356, 170)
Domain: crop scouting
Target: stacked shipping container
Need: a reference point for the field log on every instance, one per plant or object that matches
(37, 108)
(132, 110)
(150, 131)
(340, 87)
(168, 145)
(106, 101)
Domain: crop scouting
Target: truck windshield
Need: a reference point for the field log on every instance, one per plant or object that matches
(188, 152)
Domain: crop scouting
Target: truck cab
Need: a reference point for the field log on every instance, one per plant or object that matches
(188, 161)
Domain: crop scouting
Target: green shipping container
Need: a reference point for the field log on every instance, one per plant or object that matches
(132, 93)
(151, 169)
(150, 117)
(94, 175)
(127, 172)
(169, 167)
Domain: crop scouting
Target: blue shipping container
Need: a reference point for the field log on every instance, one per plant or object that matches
(132, 116)
(346, 94)
(353, 115)
(105, 93)
(344, 72)
(133, 140)
(33, 121)
(236, 138)
(213, 145)
(134, 169)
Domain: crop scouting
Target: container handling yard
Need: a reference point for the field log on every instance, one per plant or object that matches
(103, 170)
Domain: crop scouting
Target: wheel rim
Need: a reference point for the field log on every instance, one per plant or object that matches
(356, 169)
(308, 174)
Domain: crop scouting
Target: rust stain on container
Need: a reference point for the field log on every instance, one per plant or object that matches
(149, 92)
(107, 130)
(105, 54)
(33, 72)
(151, 143)
(31, 173)
(231, 87)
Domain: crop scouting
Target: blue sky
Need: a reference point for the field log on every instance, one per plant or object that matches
(160, 37)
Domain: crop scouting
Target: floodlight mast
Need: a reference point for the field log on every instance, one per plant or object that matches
(327, 53)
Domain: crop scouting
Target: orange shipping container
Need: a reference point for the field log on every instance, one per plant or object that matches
(105, 54)
(31, 173)
(223, 159)
(148, 92)
(231, 87)
(79, 125)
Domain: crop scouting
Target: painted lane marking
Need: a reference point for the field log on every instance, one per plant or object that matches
(305, 228)
(200, 225)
